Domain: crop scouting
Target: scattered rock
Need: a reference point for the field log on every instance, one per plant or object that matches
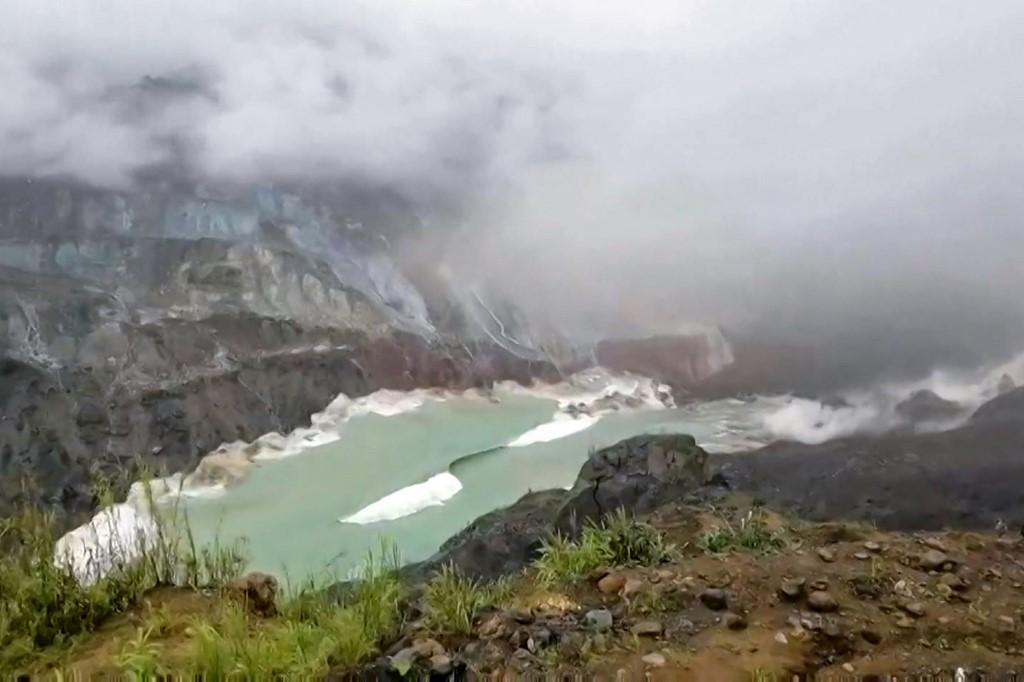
(612, 583)
(861, 556)
(521, 617)
(944, 590)
(903, 622)
(871, 636)
(831, 629)
(822, 602)
(872, 546)
(934, 543)
(826, 555)
(1006, 624)
(665, 574)
(257, 591)
(953, 581)
(633, 586)
(647, 628)
(848, 667)
(780, 637)
(654, 659)
(934, 560)
(734, 621)
(599, 619)
(792, 589)
(493, 628)
(441, 664)
(915, 608)
(714, 599)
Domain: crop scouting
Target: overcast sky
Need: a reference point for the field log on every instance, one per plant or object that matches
(826, 168)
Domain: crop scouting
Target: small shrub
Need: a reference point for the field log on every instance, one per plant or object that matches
(751, 535)
(621, 540)
(139, 657)
(451, 601)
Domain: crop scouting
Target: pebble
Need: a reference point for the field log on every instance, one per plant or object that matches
(934, 543)
(826, 555)
(780, 637)
(598, 619)
(848, 667)
(654, 659)
(872, 546)
(862, 556)
(715, 599)
(792, 589)
(933, 560)
(734, 621)
(915, 608)
(871, 636)
(822, 602)
(1006, 624)
(440, 664)
(647, 628)
(904, 622)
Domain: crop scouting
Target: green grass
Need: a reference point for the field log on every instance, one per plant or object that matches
(451, 601)
(316, 631)
(44, 607)
(750, 535)
(621, 540)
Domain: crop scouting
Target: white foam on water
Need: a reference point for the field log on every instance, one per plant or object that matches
(409, 500)
(561, 426)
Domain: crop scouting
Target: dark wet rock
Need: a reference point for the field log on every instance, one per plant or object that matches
(714, 599)
(257, 591)
(925, 406)
(822, 602)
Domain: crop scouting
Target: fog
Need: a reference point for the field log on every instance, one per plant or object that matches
(844, 175)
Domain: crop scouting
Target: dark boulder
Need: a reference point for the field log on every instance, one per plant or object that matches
(638, 474)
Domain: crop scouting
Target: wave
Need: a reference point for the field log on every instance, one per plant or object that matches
(433, 492)
(559, 427)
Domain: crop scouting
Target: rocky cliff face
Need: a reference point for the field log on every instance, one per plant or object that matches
(148, 327)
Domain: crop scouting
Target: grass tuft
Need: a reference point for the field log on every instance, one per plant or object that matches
(451, 601)
(621, 540)
(751, 535)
